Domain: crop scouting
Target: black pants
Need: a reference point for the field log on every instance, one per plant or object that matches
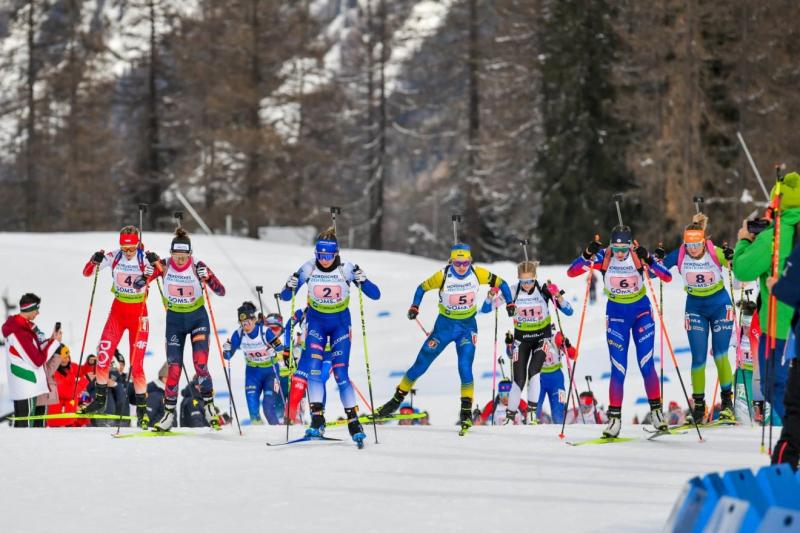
(28, 408)
(530, 355)
(787, 450)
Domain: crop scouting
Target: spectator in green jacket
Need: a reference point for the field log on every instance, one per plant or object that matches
(752, 260)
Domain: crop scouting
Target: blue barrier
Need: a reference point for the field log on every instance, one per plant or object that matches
(733, 514)
(742, 484)
(780, 519)
(779, 486)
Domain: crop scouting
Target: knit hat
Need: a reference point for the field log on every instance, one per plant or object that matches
(181, 242)
(790, 189)
(29, 302)
(621, 235)
(460, 252)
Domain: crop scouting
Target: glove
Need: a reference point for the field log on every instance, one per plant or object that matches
(286, 356)
(98, 256)
(494, 291)
(511, 308)
(509, 338)
(202, 272)
(148, 270)
(592, 249)
(413, 311)
(562, 343)
(728, 253)
(644, 255)
(152, 257)
(553, 289)
(359, 276)
(501, 361)
(226, 350)
(292, 282)
(659, 253)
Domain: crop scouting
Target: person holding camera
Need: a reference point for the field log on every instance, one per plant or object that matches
(752, 260)
(27, 354)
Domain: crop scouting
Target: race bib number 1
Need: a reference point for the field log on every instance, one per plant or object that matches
(181, 291)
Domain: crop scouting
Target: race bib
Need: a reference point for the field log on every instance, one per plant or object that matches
(700, 279)
(462, 298)
(624, 283)
(534, 313)
(328, 292)
(181, 291)
(125, 279)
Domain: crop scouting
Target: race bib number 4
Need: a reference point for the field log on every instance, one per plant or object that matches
(181, 291)
(462, 299)
(125, 280)
(328, 292)
(700, 279)
(624, 283)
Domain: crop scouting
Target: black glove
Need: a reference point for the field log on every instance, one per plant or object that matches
(413, 311)
(511, 308)
(98, 256)
(728, 253)
(592, 249)
(644, 255)
(659, 253)
(152, 257)
(509, 338)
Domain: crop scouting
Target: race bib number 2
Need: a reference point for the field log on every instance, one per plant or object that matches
(328, 292)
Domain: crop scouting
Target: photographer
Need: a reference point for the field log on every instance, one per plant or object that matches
(787, 290)
(752, 260)
(28, 350)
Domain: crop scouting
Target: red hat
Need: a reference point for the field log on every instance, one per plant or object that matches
(128, 239)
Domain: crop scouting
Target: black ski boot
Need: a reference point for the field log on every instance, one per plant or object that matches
(726, 415)
(614, 425)
(465, 415)
(142, 418)
(354, 426)
(392, 405)
(699, 408)
(317, 428)
(98, 405)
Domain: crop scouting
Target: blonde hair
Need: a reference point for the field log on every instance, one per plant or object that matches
(699, 221)
(180, 232)
(129, 230)
(327, 234)
(527, 267)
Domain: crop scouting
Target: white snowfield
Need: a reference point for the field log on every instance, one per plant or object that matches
(416, 479)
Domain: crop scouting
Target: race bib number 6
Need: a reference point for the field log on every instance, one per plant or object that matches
(624, 283)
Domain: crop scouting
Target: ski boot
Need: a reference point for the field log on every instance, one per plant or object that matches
(614, 423)
(211, 413)
(698, 415)
(726, 415)
(98, 405)
(142, 418)
(354, 427)
(657, 416)
(317, 429)
(511, 417)
(392, 405)
(465, 415)
(256, 421)
(167, 421)
(531, 414)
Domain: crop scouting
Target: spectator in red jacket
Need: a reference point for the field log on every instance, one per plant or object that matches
(28, 349)
(65, 376)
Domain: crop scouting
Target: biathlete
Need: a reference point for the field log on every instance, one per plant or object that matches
(709, 311)
(458, 284)
(327, 321)
(260, 342)
(628, 313)
(184, 282)
(531, 343)
(131, 271)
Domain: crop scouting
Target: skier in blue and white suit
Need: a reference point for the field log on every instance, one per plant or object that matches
(260, 344)
(327, 320)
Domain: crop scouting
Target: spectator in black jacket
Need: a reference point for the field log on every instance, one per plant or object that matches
(787, 290)
(155, 396)
(192, 406)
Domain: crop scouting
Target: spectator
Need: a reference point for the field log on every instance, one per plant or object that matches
(752, 259)
(117, 389)
(192, 406)
(155, 396)
(589, 413)
(64, 378)
(787, 290)
(28, 351)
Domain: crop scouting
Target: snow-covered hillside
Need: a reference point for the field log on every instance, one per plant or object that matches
(416, 479)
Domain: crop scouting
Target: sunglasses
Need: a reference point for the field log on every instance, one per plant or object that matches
(461, 264)
(526, 281)
(323, 256)
(694, 245)
(128, 248)
(620, 249)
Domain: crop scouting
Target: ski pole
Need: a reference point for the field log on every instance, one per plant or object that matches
(366, 358)
(277, 297)
(426, 332)
(494, 367)
(360, 394)
(580, 337)
(661, 336)
(710, 417)
(221, 358)
(275, 366)
(574, 389)
(646, 276)
(291, 358)
(86, 331)
(594, 400)
(139, 329)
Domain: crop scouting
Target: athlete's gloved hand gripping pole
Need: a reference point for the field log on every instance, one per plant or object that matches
(85, 332)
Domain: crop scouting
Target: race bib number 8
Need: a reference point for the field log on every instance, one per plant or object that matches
(699, 279)
(328, 292)
(624, 283)
(464, 298)
(181, 291)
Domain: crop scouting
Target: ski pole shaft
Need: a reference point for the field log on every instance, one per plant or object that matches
(221, 358)
(366, 360)
(661, 336)
(425, 331)
(578, 345)
(291, 362)
(367, 403)
(710, 417)
(574, 389)
(277, 303)
(86, 331)
(494, 366)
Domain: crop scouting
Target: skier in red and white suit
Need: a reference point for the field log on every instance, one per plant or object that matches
(130, 272)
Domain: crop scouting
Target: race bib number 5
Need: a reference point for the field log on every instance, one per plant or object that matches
(462, 299)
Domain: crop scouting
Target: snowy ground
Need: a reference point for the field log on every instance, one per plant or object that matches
(416, 479)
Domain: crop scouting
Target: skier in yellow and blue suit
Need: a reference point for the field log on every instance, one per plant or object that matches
(458, 284)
